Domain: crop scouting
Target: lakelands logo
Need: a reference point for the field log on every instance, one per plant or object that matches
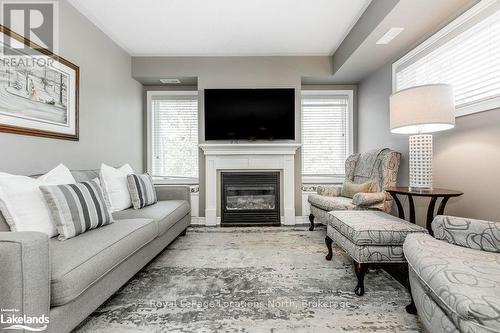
(11, 319)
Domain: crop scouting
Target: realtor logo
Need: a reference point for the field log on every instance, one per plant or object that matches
(34, 20)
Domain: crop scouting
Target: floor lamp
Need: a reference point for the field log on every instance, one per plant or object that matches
(422, 110)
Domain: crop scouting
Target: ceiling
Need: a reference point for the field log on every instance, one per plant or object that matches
(418, 21)
(224, 27)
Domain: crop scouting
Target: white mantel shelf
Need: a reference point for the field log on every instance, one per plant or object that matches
(249, 148)
(247, 157)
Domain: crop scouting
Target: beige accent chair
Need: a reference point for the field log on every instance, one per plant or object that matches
(380, 165)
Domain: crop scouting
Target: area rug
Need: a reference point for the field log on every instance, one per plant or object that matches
(253, 280)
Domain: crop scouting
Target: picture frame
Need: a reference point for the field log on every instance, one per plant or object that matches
(39, 94)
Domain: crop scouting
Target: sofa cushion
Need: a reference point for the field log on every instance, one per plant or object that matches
(464, 282)
(80, 262)
(331, 203)
(166, 213)
(372, 227)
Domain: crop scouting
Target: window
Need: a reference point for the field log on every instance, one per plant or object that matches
(173, 136)
(465, 54)
(327, 134)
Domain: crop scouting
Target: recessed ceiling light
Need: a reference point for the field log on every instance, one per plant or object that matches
(171, 81)
(390, 35)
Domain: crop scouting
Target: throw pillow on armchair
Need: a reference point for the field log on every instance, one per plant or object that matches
(349, 188)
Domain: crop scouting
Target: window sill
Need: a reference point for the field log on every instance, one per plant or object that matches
(174, 181)
(323, 180)
(481, 106)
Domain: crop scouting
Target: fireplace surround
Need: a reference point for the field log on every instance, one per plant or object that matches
(250, 198)
(249, 157)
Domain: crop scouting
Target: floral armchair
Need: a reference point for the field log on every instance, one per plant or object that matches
(380, 165)
(455, 277)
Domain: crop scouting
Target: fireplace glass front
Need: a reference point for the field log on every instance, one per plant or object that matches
(250, 198)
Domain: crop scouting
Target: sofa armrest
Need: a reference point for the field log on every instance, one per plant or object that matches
(25, 273)
(177, 192)
(368, 199)
(474, 234)
(329, 190)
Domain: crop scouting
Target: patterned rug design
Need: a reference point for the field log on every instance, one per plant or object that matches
(253, 280)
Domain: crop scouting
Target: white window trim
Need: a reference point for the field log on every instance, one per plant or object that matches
(175, 181)
(447, 30)
(149, 148)
(339, 179)
(333, 179)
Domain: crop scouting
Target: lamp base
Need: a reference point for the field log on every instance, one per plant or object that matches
(421, 161)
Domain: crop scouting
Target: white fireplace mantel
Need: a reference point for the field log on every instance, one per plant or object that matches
(248, 157)
(249, 148)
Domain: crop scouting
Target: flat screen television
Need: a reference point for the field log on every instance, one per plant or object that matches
(250, 114)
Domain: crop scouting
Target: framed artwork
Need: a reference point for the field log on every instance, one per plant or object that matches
(38, 91)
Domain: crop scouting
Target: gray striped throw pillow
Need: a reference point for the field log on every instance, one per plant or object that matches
(77, 208)
(142, 190)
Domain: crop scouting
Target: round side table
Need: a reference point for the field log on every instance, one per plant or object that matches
(434, 194)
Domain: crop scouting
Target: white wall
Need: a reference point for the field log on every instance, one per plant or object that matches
(110, 107)
(237, 72)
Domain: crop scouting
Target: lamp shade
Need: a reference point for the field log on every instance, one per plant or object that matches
(422, 109)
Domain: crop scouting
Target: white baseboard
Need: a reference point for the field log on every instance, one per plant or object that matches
(302, 220)
(198, 220)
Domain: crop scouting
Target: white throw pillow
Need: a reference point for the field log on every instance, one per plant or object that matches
(60, 175)
(115, 186)
(22, 203)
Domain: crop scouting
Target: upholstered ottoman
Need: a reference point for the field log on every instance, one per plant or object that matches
(368, 237)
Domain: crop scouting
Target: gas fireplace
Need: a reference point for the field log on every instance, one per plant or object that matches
(250, 198)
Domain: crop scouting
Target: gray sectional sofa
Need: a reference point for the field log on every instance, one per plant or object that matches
(455, 277)
(67, 280)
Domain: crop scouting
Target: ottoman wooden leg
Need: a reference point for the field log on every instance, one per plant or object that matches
(328, 242)
(311, 219)
(360, 270)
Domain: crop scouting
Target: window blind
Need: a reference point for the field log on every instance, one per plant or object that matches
(469, 61)
(325, 143)
(174, 137)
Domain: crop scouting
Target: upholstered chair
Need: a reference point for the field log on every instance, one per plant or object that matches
(379, 165)
(455, 275)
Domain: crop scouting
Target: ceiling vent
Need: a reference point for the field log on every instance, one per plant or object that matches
(389, 35)
(170, 81)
